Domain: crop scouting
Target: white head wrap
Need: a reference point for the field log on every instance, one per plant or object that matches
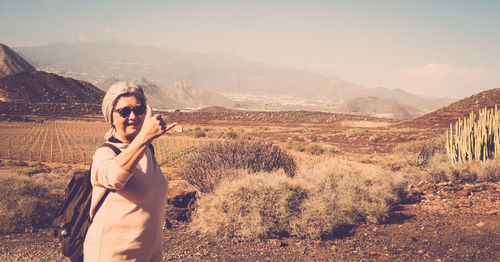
(115, 91)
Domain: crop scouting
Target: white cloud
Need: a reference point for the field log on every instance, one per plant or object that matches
(447, 80)
(107, 30)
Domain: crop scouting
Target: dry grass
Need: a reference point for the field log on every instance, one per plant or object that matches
(313, 204)
(419, 153)
(207, 165)
(295, 145)
(28, 203)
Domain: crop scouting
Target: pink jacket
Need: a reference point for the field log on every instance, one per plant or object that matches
(128, 226)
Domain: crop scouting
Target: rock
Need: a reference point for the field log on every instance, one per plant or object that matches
(464, 193)
(180, 193)
(180, 199)
(493, 212)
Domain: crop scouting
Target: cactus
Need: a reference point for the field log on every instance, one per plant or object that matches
(474, 138)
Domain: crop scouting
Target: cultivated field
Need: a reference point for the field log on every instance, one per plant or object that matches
(73, 142)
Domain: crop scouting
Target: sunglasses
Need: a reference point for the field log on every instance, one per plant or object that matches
(125, 111)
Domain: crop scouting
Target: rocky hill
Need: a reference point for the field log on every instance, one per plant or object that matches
(189, 97)
(154, 94)
(11, 62)
(179, 95)
(376, 107)
(38, 86)
(450, 113)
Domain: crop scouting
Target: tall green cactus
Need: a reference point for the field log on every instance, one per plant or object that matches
(474, 138)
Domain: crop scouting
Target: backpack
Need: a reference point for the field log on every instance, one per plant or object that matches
(73, 218)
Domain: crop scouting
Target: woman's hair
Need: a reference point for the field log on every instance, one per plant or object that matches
(114, 93)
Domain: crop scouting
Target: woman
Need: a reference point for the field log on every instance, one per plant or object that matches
(128, 224)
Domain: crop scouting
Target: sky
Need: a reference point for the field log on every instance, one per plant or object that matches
(446, 48)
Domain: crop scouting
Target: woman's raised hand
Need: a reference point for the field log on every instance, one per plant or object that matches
(153, 125)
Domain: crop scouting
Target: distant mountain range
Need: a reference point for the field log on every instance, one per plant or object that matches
(250, 84)
(21, 83)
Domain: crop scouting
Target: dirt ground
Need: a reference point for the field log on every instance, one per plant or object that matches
(445, 222)
(442, 222)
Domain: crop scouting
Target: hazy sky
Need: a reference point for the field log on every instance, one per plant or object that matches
(433, 48)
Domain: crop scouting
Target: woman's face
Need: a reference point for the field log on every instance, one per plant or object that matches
(127, 127)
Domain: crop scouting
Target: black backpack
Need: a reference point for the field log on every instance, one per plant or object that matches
(72, 220)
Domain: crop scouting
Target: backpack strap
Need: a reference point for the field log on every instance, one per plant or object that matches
(117, 152)
(152, 149)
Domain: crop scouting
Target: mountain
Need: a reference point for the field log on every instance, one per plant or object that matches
(180, 95)
(228, 75)
(338, 89)
(38, 86)
(450, 113)
(376, 107)
(183, 93)
(154, 94)
(11, 62)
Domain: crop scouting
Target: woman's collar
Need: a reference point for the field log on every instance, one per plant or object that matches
(113, 139)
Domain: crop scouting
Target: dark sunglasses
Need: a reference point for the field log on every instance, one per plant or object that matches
(125, 111)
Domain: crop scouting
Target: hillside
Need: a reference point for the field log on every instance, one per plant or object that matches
(180, 95)
(450, 113)
(376, 107)
(11, 62)
(154, 94)
(38, 86)
(189, 97)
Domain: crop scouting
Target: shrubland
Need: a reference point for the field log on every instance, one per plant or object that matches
(210, 163)
(427, 160)
(29, 201)
(313, 204)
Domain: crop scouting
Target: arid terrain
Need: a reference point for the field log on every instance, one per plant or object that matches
(437, 221)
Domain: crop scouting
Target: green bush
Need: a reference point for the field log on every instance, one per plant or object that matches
(313, 204)
(207, 165)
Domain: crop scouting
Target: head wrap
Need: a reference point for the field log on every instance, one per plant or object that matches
(117, 90)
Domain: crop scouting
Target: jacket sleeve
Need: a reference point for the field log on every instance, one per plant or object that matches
(106, 172)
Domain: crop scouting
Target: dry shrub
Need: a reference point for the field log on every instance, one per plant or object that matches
(295, 145)
(429, 161)
(489, 171)
(315, 149)
(207, 165)
(197, 133)
(419, 153)
(257, 205)
(313, 204)
(341, 194)
(27, 203)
